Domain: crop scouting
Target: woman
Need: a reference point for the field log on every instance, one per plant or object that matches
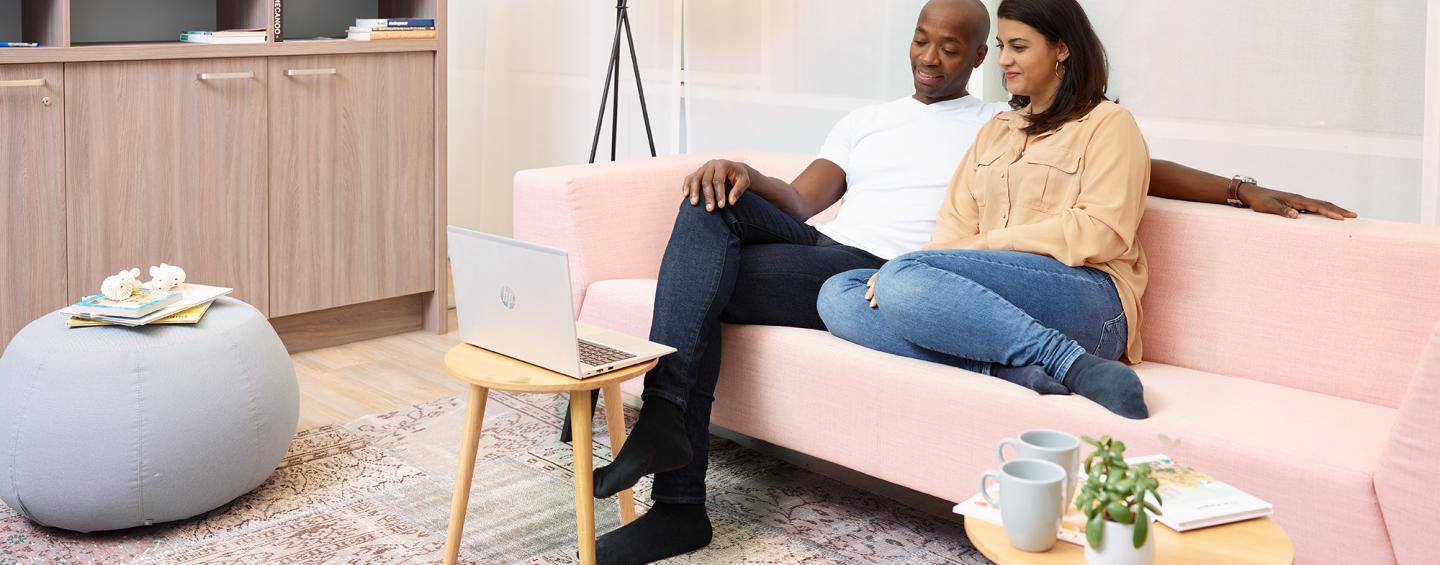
(1034, 270)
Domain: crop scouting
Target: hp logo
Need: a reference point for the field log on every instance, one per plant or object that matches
(507, 297)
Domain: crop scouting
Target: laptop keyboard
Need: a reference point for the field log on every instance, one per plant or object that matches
(598, 355)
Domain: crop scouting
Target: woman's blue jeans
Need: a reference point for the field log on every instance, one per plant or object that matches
(977, 310)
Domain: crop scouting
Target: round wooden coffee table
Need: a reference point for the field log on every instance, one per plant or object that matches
(1253, 542)
(483, 371)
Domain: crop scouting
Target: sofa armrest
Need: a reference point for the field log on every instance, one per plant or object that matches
(615, 218)
(1405, 477)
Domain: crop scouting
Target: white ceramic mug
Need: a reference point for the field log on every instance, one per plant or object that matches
(1030, 491)
(1056, 447)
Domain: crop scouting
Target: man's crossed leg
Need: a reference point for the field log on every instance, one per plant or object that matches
(745, 263)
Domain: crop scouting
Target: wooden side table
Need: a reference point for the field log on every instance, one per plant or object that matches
(484, 370)
(1255, 542)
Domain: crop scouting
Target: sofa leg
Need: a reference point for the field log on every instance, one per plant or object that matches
(565, 428)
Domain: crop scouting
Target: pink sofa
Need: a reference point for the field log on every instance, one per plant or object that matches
(1297, 359)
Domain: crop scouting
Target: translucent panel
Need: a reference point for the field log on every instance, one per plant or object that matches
(525, 80)
(777, 74)
(718, 124)
(1339, 64)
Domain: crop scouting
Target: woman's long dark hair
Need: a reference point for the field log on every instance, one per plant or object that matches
(1086, 71)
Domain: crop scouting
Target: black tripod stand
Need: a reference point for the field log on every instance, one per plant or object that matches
(612, 77)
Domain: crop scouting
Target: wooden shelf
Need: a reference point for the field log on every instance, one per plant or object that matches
(177, 50)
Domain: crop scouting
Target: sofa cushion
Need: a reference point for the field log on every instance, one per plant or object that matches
(1340, 308)
(931, 427)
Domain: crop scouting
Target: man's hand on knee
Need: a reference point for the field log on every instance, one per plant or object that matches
(708, 184)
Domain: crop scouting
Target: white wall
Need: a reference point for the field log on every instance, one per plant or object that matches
(1324, 97)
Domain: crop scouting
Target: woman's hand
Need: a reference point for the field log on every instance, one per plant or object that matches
(1289, 205)
(709, 181)
(870, 290)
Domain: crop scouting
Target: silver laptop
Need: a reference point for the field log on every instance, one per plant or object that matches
(514, 298)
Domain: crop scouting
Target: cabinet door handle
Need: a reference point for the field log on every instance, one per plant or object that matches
(20, 83)
(306, 72)
(226, 76)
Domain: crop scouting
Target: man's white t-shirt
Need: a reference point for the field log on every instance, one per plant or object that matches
(898, 159)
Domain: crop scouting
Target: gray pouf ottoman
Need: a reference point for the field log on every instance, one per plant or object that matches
(106, 427)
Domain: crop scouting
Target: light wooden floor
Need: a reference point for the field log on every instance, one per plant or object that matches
(342, 383)
(348, 381)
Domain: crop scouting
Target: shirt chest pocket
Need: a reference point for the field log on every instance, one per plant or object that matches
(990, 172)
(1051, 181)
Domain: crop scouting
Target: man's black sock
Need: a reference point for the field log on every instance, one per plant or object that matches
(1110, 384)
(1032, 377)
(657, 444)
(665, 531)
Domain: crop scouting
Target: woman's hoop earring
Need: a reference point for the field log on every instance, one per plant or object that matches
(1059, 73)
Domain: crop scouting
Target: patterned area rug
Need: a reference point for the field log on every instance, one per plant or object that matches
(377, 490)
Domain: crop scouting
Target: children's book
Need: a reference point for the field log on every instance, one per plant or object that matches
(191, 315)
(144, 302)
(194, 295)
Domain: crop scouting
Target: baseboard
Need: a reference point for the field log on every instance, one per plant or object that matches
(450, 288)
(346, 324)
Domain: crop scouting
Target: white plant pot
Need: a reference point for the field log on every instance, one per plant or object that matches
(1117, 547)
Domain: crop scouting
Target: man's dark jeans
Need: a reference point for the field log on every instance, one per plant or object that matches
(748, 263)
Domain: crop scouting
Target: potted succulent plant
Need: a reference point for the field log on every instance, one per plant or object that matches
(1117, 501)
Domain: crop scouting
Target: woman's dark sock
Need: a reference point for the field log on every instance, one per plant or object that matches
(657, 444)
(665, 531)
(1110, 384)
(1032, 377)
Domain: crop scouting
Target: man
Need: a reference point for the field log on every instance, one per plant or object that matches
(741, 253)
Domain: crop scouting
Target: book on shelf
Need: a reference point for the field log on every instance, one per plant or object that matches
(361, 34)
(192, 295)
(229, 36)
(372, 23)
(1193, 500)
(191, 315)
(366, 29)
(140, 304)
(277, 19)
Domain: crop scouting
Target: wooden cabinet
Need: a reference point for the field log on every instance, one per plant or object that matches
(352, 179)
(167, 161)
(32, 206)
(315, 193)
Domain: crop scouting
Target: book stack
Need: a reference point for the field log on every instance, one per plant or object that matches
(229, 36)
(393, 28)
(185, 305)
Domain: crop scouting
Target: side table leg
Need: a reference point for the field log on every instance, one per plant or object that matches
(584, 479)
(615, 423)
(474, 420)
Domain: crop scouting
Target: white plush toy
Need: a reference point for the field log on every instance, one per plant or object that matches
(166, 277)
(121, 285)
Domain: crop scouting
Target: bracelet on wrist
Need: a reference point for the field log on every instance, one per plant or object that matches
(1232, 196)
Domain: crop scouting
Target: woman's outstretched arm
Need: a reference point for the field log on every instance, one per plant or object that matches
(1178, 182)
